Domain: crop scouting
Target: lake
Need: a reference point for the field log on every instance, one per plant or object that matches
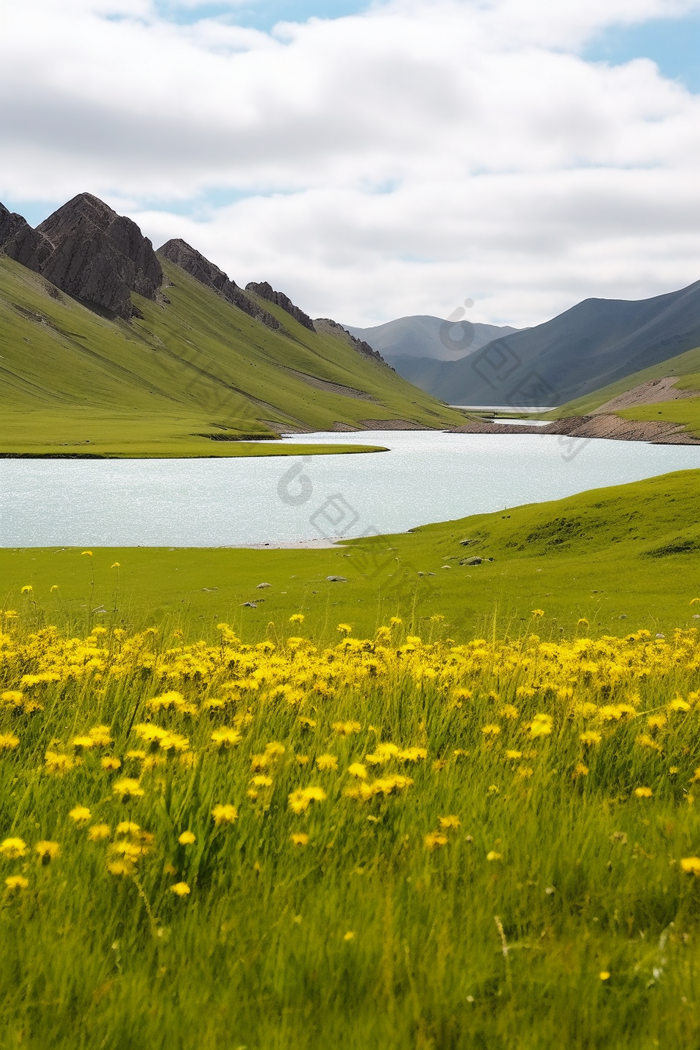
(426, 476)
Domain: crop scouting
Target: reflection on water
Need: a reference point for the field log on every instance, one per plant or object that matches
(426, 476)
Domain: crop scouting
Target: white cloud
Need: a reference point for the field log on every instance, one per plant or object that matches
(393, 162)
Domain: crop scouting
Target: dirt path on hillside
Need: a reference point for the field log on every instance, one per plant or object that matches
(650, 393)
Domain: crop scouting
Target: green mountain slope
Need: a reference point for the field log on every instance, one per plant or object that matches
(191, 368)
(686, 366)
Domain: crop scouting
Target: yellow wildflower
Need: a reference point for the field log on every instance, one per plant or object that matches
(358, 770)
(47, 851)
(451, 822)
(590, 737)
(382, 753)
(187, 838)
(82, 743)
(491, 729)
(127, 788)
(225, 737)
(80, 814)
(541, 725)
(16, 882)
(296, 618)
(435, 839)
(128, 827)
(274, 749)
(180, 889)
(691, 865)
(324, 762)
(643, 792)
(644, 740)
(224, 814)
(493, 855)
(120, 867)
(98, 832)
(13, 848)
(110, 763)
(300, 799)
(346, 728)
(58, 763)
(8, 741)
(300, 838)
(100, 736)
(412, 754)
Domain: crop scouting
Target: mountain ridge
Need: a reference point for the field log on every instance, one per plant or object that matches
(594, 344)
(130, 352)
(426, 336)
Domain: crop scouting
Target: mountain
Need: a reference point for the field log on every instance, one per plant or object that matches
(88, 251)
(423, 336)
(595, 344)
(110, 348)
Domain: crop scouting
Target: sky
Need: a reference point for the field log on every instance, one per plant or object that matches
(374, 160)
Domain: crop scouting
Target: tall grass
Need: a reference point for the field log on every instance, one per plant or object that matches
(547, 908)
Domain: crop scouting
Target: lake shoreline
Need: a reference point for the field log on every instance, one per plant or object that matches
(605, 427)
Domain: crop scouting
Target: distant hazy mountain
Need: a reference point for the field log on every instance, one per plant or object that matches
(428, 337)
(592, 345)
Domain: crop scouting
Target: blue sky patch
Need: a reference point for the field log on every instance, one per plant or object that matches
(263, 14)
(673, 43)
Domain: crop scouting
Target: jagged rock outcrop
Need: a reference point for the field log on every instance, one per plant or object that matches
(266, 291)
(88, 251)
(22, 243)
(196, 265)
(325, 324)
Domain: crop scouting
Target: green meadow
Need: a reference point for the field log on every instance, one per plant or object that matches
(624, 558)
(406, 810)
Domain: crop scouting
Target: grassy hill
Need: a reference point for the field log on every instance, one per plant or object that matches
(188, 371)
(623, 558)
(686, 366)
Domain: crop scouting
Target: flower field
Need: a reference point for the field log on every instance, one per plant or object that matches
(383, 842)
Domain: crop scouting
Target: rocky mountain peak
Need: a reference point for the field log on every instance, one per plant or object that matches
(99, 256)
(87, 250)
(21, 242)
(208, 273)
(266, 291)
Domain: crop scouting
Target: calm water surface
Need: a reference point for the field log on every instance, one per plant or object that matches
(224, 502)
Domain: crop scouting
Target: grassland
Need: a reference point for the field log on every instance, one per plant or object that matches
(405, 810)
(686, 366)
(628, 551)
(190, 367)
